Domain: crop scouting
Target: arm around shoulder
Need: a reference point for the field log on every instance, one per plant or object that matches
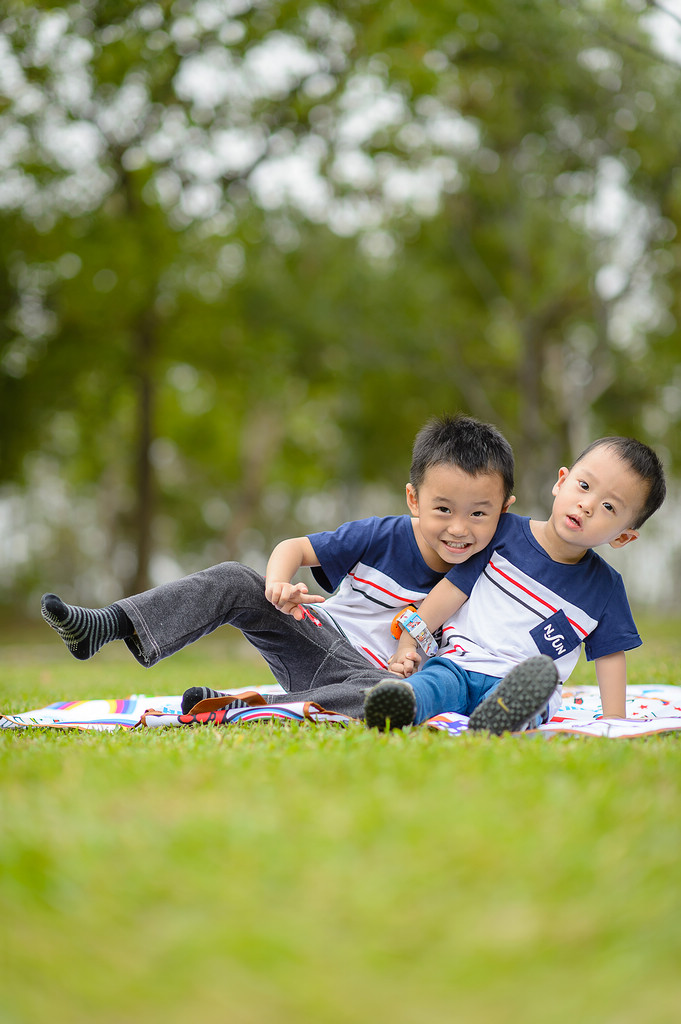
(439, 605)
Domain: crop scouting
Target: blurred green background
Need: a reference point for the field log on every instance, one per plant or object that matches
(248, 248)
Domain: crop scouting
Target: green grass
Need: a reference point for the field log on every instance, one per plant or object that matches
(275, 873)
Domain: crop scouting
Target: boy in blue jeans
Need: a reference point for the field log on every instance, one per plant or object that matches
(461, 480)
(515, 615)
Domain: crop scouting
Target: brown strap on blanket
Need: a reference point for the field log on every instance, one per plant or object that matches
(309, 706)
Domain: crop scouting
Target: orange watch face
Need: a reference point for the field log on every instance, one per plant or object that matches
(395, 628)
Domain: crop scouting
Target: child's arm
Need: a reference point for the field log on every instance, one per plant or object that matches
(439, 605)
(611, 673)
(283, 564)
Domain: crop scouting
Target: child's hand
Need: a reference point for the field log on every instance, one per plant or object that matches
(288, 597)
(405, 663)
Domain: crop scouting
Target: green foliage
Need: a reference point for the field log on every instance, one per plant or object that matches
(235, 274)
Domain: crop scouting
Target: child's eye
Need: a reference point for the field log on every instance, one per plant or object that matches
(608, 506)
(442, 508)
(479, 514)
(584, 485)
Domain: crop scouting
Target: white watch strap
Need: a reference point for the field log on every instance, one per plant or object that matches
(416, 627)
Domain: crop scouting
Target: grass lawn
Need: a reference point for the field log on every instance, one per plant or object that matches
(286, 874)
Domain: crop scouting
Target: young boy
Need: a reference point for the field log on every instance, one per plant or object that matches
(542, 592)
(460, 482)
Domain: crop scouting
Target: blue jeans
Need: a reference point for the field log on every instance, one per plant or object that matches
(442, 685)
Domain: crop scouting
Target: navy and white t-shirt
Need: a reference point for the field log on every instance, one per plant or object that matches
(378, 569)
(522, 603)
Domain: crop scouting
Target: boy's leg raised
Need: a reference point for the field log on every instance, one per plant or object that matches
(308, 658)
(161, 621)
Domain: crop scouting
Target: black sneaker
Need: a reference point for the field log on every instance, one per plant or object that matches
(389, 704)
(520, 695)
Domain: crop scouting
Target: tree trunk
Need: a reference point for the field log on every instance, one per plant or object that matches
(144, 345)
(261, 437)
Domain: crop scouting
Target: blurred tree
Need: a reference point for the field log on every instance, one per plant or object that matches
(250, 247)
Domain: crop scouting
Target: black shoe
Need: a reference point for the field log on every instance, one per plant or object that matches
(389, 704)
(519, 697)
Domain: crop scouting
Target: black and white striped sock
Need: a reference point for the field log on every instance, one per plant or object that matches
(85, 630)
(194, 694)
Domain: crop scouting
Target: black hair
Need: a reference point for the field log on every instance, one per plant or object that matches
(644, 462)
(466, 443)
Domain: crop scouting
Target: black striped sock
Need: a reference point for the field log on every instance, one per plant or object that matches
(85, 630)
(194, 694)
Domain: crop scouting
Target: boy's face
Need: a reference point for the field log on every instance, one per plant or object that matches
(596, 501)
(457, 513)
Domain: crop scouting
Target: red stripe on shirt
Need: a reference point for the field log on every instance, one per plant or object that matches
(373, 657)
(369, 583)
(536, 597)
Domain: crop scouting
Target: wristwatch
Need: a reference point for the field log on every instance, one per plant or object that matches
(416, 627)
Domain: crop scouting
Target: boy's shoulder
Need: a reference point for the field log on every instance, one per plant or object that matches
(369, 528)
(513, 530)
(512, 524)
(389, 537)
(514, 537)
(387, 544)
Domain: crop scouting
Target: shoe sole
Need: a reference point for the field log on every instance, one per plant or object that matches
(523, 693)
(389, 706)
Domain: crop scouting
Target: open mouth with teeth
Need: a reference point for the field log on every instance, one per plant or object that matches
(574, 521)
(454, 546)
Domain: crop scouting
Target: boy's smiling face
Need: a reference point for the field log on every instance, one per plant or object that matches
(457, 513)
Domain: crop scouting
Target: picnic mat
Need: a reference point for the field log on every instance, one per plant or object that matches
(650, 709)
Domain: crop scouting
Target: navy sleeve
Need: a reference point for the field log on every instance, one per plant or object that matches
(339, 550)
(616, 630)
(465, 576)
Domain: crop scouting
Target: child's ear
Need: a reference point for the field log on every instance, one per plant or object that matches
(508, 503)
(412, 500)
(562, 474)
(625, 537)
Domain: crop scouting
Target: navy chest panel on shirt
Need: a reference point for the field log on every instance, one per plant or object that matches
(555, 636)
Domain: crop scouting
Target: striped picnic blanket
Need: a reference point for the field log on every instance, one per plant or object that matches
(650, 709)
(139, 711)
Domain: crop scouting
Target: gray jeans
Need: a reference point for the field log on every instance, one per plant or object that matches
(311, 660)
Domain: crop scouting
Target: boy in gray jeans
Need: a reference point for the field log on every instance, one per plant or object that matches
(461, 481)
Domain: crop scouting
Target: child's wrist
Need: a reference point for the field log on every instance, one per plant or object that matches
(406, 646)
(413, 625)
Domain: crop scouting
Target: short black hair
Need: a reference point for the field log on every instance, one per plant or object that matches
(461, 441)
(644, 462)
